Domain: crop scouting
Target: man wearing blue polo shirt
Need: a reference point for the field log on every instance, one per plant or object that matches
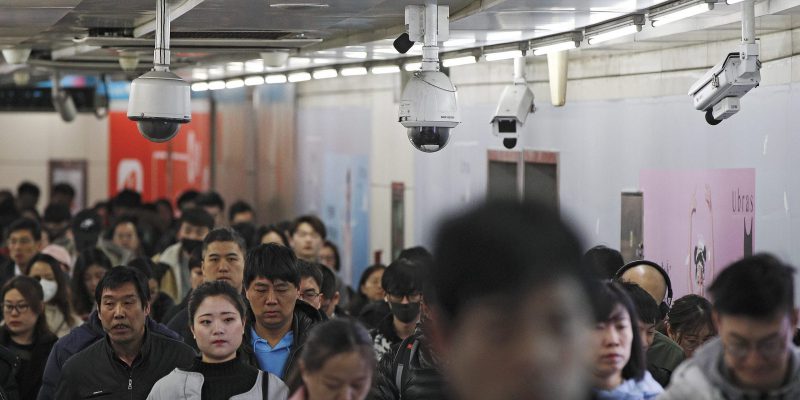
(278, 321)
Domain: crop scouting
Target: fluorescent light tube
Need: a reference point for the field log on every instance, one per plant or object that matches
(254, 80)
(354, 71)
(325, 73)
(234, 83)
(613, 34)
(555, 47)
(503, 55)
(299, 77)
(687, 12)
(216, 85)
(452, 62)
(199, 87)
(277, 78)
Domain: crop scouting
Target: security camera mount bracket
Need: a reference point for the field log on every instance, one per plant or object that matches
(430, 25)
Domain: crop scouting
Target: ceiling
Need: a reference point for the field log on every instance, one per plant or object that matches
(219, 37)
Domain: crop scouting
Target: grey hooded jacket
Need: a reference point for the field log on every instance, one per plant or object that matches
(703, 378)
(184, 385)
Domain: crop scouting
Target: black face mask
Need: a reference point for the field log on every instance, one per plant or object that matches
(189, 245)
(405, 313)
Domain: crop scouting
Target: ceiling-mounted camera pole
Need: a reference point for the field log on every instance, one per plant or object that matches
(748, 22)
(161, 52)
(749, 48)
(519, 70)
(430, 48)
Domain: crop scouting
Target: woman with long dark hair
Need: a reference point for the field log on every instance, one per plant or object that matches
(337, 361)
(25, 332)
(55, 286)
(620, 370)
(91, 266)
(217, 318)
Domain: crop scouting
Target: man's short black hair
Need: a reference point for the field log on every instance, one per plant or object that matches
(239, 207)
(188, 195)
(127, 198)
(308, 269)
(210, 199)
(502, 249)
(328, 287)
(120, 275)
(65, 189)
(311, 220)
(418, 255)
(646, 307)
(248, 231)
(402, 277)
(603, 261)
(57, 213)
(198, 217)
(144, 266)
(757, 287)
(271, 261)
(28, 188)
(25, 224)
(262, 231)
(225, 235)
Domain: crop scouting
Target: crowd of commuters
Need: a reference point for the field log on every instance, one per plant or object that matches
(142, 301)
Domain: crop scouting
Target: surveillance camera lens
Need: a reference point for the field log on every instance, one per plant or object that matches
(429, 139)
(510, 143)
(710, 118)
(158, 130)
(403, 43)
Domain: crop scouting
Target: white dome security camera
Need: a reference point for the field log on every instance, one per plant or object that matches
(159, 103)
(429, 104)
(429, 109)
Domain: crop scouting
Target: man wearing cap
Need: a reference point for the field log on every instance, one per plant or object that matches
(86, 228)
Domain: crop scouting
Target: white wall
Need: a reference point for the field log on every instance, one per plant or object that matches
(29, 140)
(624, 113)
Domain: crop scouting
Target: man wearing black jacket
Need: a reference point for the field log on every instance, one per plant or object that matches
(280, 321)
(131, 358)
(222, 260)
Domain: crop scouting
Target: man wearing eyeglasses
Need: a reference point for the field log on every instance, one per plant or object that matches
(403, 286)
(754, 356)
(310, 283)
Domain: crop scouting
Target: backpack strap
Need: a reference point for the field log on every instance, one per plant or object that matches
(402, 359)
(264, 384)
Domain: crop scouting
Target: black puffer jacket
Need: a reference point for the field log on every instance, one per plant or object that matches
(97, 372)
(408, 372)
(304, 318)
(9, 366)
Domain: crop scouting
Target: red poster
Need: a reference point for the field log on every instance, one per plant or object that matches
(158, 170)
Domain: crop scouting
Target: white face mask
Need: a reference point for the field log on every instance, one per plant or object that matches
(49, 288)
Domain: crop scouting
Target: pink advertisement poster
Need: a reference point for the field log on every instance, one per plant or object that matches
(696, 222)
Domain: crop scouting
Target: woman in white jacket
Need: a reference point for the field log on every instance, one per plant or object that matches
(216, 312)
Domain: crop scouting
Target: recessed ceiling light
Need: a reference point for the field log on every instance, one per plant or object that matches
(299, 6)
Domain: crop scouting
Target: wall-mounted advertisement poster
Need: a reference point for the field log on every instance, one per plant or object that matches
(696, 222)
